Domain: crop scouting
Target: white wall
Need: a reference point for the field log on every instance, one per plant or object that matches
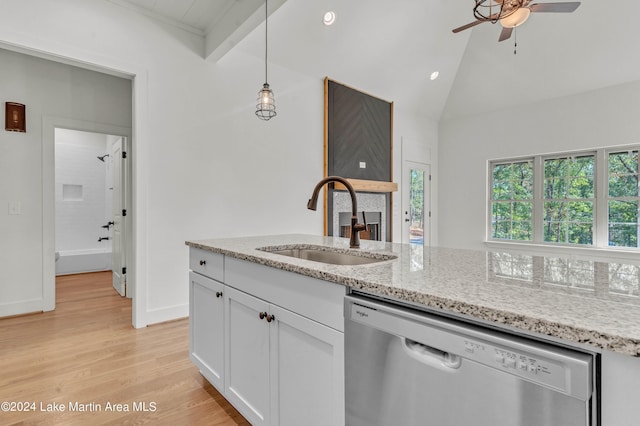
(204, 165)
(79, 218)
(605, 117)
(415, 139)
(47, 89)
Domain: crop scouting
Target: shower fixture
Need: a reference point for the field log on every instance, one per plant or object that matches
(101, 158)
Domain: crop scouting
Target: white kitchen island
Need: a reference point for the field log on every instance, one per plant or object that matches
(581, 303)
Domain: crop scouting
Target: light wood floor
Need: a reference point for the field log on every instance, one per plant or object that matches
(87, 352)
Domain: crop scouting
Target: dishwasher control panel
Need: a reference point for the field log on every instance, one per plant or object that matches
(528, 366)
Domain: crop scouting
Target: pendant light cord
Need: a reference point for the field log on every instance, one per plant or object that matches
(266, 20)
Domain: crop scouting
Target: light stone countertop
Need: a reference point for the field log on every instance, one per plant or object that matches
(565, 298)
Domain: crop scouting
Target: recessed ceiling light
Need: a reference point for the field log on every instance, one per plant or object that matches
(434, 75)
(329, 18)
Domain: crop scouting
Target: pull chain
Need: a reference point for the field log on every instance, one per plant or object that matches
(515, 40)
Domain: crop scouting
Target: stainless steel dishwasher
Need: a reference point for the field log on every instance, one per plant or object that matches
(408, 367)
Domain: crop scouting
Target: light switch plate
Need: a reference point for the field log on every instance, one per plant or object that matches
(363, 165)
(15, 207)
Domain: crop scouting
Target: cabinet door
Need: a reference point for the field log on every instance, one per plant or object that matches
(247, 355)
(206, 317)
(307, 366)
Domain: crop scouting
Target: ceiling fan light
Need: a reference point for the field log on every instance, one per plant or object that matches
(516, 19)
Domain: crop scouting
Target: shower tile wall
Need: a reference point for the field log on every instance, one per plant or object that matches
(83, 198)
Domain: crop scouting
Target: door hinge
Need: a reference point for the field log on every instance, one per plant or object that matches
(429, 214)
(124, 271)
(429, 178)
(124, 212)
(124, 154)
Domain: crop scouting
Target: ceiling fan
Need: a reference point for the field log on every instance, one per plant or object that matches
(512, 13)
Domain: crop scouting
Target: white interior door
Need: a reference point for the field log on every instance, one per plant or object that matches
(416, 203)
(119, 193)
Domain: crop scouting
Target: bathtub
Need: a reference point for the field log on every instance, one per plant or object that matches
(88, 260)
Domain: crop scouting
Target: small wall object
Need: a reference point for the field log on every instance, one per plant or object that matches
(15, 119)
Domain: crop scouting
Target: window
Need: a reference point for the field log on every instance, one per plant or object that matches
(623, 202)
(576, 199)
(568, 199)
(512, 201)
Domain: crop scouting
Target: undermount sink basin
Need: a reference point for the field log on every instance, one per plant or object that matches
(328, 255)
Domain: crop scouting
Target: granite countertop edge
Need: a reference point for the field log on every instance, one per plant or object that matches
(499, 317)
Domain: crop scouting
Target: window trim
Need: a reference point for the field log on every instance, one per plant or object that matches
(600, 203)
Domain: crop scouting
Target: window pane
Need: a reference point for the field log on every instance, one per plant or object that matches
(554, 211)
(582, 166)
(623, 162)
(521, 231)
(555, 188)
(623, 211)
(623, 185)
(555, 232)
(570, 178)
(623, 235)
(580, 233)
(512, 181)
(511, 221)
(522, 181)
(581, 187)
(511, 212)
(501, 229)
(623, 199)
(501, 211)
(556, 167)
(580, 211)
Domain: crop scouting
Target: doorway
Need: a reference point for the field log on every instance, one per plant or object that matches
(90, 204)
(416, 203)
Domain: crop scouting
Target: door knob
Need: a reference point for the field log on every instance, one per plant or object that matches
(406, 220)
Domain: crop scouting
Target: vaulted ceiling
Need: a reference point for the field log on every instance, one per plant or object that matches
(389, 49)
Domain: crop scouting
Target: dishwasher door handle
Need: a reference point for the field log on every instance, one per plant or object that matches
(431, 355)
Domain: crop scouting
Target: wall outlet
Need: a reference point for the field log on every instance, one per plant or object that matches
(15, 207)
(363, 165)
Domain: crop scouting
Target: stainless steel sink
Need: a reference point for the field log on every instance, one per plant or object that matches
(328, 255)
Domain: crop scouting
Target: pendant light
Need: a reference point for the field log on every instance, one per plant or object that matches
(266, 106)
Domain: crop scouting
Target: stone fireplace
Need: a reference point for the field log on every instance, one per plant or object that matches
(372, 205)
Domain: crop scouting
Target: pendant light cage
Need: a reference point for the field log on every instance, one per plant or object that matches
(266, 105)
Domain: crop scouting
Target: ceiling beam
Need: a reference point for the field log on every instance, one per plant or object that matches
(240, 20)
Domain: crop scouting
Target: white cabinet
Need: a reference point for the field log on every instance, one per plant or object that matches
(283, 369)
(247, 354)
(307, 368)
(270, 341)
(206, 326)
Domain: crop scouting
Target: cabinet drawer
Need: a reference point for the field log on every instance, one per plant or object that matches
(207, 263)
(321, 301)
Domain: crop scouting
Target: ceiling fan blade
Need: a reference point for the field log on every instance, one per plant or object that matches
(469, 25)
(555, 7)
(505, 34)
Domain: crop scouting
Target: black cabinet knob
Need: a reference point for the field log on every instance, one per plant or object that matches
(218, 294)
(203, 262)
